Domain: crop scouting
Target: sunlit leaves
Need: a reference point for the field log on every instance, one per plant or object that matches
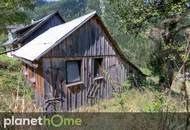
(12, 12)
(135, 15)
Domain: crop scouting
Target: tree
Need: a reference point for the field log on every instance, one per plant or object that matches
(169, 19)
(13, 11)
(133, 46)
(70, 9)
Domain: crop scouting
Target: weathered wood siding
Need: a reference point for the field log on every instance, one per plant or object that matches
(54, 74)
(86, 43)
(53, 21)
(39, 85)
(88, 40)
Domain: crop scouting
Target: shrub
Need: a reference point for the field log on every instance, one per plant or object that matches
(11, 63)
(13, 87)
(157, 105)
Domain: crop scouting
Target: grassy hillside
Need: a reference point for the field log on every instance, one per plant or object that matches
(15, 93)
(139, 101)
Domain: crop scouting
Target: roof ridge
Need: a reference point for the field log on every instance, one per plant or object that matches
(90, 14)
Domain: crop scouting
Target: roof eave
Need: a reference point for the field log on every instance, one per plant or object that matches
(28, 62)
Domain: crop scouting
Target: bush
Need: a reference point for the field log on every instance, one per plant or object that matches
(120, 98)
(13, 86)
(157, 105)
(12, 64)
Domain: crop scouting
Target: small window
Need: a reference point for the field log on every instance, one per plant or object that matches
(73, 69)
(97, 67)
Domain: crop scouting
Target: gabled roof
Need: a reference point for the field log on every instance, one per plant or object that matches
(49, 39)
(52, 37)
(29, 29)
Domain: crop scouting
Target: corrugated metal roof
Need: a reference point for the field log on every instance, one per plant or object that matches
(49, 39)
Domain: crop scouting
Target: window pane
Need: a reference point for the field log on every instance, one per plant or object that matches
(73, 71)
(97, 66)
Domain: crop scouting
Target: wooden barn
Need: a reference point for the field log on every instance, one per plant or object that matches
(75, 64)
(20, 35)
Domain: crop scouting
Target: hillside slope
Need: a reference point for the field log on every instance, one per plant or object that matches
(15, 93)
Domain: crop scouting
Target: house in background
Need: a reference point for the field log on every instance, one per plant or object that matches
(20, 35)
(75, 63)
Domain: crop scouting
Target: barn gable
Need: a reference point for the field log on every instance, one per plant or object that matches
(88, 40)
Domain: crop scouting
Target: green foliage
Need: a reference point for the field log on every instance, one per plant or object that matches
(164, 50)
(12, 64)
(12, 12)
(130, 14)
(147, 71)
(41, 10)
(157, 105)
(127, 85)
(139, 101)
(120, 98)
(134, 47)
(2, 40)
(12, 83)
(11, 76)
(94, 5)
(69, 9)
(135, 15)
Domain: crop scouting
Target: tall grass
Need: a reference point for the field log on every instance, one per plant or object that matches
(138, 101)
(15, 93)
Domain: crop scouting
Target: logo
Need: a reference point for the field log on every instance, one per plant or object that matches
(54, 121)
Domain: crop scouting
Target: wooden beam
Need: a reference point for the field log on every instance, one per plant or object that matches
(29, 63)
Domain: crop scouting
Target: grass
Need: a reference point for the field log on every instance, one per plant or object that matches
(15, 94)
(138, 101)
